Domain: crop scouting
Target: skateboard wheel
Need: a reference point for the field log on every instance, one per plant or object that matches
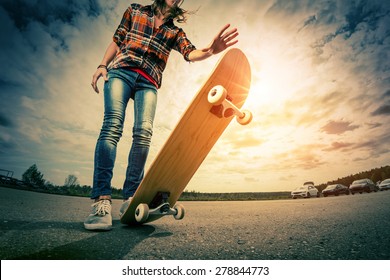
(180, 212)
(247, 118)
(217, 95)
(142, 213)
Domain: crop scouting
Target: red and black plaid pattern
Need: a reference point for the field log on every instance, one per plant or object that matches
(142, 46)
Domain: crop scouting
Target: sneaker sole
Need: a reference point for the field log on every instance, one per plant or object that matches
(97, 227)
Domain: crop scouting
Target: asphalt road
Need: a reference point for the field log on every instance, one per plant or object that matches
(43, 226)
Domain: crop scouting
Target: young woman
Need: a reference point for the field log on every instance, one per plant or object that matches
(132, 68)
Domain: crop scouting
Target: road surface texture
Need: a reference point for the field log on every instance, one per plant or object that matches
(353, 227)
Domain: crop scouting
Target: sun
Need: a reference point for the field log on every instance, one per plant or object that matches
(267, 92)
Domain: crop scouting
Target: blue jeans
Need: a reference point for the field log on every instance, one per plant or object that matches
(123, 85)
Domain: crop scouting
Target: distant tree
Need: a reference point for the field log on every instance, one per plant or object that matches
(33, 176)
(376, 176)
(71, 180)
(387, 172)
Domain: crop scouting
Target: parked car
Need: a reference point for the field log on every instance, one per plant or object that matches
(363, 185)
(335, 189)
(384, 185)
(306, 191)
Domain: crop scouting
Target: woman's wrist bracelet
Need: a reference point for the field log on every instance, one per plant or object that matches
(102, 66)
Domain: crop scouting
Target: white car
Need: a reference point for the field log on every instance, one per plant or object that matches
(306, 191)
(384, 185)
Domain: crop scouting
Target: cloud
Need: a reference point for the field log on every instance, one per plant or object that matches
(338, 127)
(46, 12)
(382, 110)
(353, 18)
(374, 125)
(312, 19)
(242, 137)
(5, 121)
(368, 148)
(304, 157)
(376, 145)
(336, 146)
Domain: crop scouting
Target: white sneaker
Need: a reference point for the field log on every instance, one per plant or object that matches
(124, 206)
(100, 217)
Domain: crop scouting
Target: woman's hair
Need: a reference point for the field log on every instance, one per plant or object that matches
(176, 13)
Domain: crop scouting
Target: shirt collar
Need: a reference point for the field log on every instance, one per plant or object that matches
(148, 9)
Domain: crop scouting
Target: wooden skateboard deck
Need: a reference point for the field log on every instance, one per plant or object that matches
(190, 142)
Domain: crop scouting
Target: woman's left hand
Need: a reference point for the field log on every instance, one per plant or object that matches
(223, 40)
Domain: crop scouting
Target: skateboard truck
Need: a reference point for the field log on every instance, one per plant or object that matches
(218, 96)
(159, 207)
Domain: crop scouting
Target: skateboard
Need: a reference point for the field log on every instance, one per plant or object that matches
(210, 112)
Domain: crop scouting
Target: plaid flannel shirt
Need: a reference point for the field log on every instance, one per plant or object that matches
(144, 47)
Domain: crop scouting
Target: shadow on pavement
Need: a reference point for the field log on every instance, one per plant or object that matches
(25, 240)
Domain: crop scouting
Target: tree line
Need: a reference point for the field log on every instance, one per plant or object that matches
(376, 175)
(33, 179)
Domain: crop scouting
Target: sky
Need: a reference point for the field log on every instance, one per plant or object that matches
(320, 92)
